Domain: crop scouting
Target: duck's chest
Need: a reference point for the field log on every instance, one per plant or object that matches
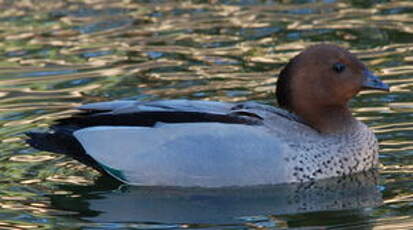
(315, 158)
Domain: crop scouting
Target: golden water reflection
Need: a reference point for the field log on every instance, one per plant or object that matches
(55, 55)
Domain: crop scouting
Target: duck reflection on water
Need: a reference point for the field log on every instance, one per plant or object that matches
(226, 205)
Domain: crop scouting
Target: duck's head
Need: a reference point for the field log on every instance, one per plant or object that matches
(320, 81)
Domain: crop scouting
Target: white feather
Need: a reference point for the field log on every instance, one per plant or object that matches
(188, 154)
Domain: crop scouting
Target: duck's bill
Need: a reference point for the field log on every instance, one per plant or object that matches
(373, 82)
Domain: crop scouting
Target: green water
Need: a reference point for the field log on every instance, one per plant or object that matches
(55, 55)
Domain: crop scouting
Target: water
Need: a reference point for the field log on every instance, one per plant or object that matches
(59, 54)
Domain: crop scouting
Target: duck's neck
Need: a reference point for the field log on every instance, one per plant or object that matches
(331, 119)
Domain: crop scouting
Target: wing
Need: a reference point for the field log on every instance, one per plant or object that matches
(132, 113)
(61, 137)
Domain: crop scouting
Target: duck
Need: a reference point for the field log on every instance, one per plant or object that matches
(311, 136)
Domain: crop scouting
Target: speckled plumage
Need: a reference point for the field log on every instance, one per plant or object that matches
(317, 156)
(313, 155)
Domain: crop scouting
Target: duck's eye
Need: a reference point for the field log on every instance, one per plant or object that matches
(339, 67)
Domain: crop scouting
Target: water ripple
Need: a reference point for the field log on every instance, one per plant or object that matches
(56, 55)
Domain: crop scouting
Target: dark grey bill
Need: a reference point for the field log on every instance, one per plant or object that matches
(371, 81)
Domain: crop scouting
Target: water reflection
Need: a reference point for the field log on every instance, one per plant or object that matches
(227, 206)
(59, 54)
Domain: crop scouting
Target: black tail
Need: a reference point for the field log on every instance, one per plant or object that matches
(55, 142)
(61, 140)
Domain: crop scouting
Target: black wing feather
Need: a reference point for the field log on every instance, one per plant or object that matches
(149, 119)
(60, 138)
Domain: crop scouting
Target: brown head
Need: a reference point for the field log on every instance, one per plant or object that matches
(317, 84)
